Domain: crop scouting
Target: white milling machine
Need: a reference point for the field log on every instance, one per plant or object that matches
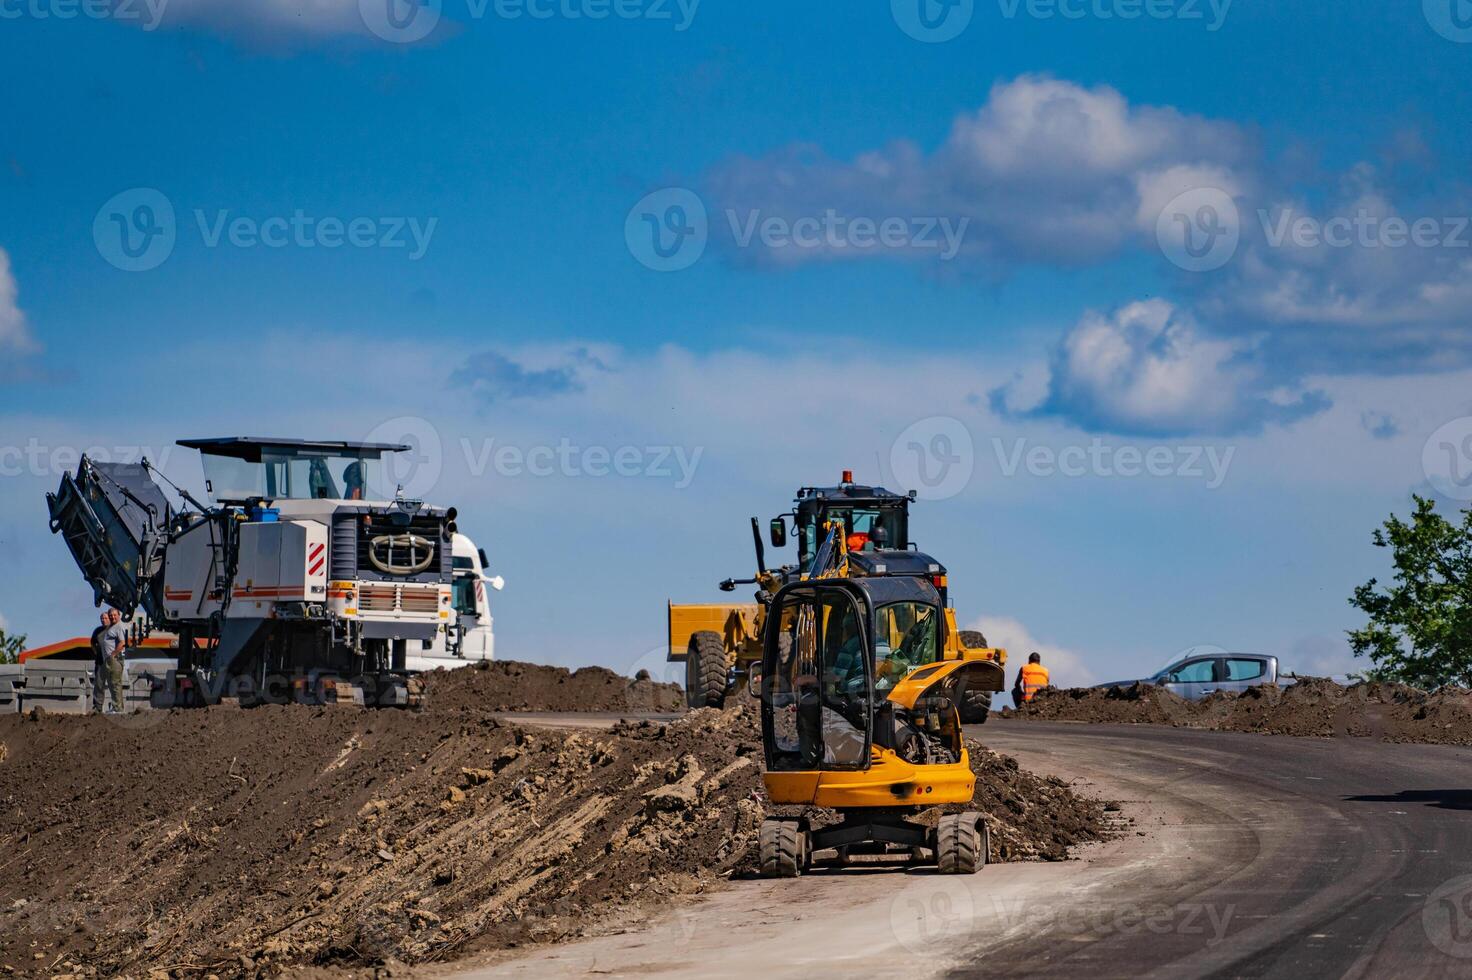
(303, 580)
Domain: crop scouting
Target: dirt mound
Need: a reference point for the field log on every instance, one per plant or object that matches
(1311, 707)
(507, 685)
(246, 842)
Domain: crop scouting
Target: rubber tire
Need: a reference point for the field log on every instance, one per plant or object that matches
(782, 848)
(961, 842)
(707, 668)
(976, 706)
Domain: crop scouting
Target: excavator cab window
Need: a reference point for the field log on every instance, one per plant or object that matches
(906, 637)
(817, 689)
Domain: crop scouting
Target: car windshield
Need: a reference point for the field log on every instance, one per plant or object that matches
(292, 475)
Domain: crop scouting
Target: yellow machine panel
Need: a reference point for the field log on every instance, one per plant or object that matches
(736, 623)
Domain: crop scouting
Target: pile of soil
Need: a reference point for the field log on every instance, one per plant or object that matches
(246, 842)
(508, 685)
(1311, 707)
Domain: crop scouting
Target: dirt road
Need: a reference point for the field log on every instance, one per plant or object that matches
(1260, 857)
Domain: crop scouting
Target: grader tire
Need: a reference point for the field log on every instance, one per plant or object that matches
(973, 639)
(975, 706)
(706, 669)
(961, 842)
(782, 848)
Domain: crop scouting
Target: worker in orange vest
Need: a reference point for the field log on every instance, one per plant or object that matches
(1031, 679)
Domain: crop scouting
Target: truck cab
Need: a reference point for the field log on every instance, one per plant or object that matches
(468, 636)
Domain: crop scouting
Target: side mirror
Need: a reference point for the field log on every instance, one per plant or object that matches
(779, 533)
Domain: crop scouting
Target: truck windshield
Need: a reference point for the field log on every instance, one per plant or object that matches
(858, 524)
(292, 475)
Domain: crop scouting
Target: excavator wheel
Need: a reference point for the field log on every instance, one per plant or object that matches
(706, 668)
(976, 706)
(961, 843)
(782, 848)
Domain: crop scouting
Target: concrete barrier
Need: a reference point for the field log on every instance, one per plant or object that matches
(10, 677)
(65, 686)
(61, 686)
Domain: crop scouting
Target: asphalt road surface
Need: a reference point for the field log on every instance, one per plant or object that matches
(1249, 856)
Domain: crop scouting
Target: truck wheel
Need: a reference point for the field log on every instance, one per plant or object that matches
(961, 842)
(706, 670)
(782, 847)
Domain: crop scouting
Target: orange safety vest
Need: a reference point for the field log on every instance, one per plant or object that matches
(1034, 678)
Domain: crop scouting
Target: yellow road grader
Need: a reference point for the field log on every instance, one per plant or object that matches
(721, 644)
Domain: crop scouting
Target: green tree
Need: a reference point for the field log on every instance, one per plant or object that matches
(1420, 629)
(11, 646)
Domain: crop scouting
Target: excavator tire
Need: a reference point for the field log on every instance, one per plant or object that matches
(706, 668)
(782, 847)
(961, 843)
(976, 706)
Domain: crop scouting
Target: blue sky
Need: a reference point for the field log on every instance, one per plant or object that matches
(1032, 316)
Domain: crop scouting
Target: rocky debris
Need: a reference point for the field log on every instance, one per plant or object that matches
(247, 842)
(1311, 707)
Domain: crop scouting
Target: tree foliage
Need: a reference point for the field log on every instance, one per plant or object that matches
(11, 646)
(1420, 628)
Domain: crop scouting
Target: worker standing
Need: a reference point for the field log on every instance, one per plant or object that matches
(1031, 679)
(99, 664)
(113, 643)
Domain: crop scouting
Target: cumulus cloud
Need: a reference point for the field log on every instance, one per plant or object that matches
(17, 345)
(494, 376)
(1065, 667)
(15, 335)
(1048, 172)
(1044, 171)
(1351, 277)
(289, 23)
(1149, 369)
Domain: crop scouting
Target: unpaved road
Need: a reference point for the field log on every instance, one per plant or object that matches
(1251, 856)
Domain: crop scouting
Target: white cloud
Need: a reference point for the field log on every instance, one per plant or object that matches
(1044, 171)
(1065, 667)
(1148, 368)
(271, 20)
(15, 335)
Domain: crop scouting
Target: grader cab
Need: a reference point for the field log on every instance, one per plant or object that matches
(721, 643)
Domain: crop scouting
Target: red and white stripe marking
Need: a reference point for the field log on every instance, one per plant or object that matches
(317, 560)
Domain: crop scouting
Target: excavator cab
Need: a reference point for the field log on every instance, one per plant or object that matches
(860, 715)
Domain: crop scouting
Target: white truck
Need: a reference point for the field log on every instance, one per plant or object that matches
(468, 636)
(304, 578)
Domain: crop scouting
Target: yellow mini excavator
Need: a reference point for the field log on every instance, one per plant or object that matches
(860, 687)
